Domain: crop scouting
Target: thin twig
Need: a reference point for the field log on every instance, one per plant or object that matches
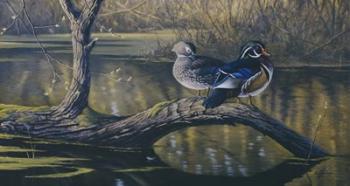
(15, 17)
(43, 49)
(319, 121)
(125, 10)
(327, 42)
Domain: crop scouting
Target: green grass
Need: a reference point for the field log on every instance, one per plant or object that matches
(15, 163)
(76, 171)
(23, 161)
(6, 110)
(6, 136)
(4, 149)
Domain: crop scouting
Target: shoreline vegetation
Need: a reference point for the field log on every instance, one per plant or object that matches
(155, 46)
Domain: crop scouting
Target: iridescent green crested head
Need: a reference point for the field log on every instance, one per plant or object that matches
(253, 49)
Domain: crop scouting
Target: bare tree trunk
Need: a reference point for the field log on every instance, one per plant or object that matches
(80, 22)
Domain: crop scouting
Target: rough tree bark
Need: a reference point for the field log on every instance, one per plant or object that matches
(81, 21)
(143, 129)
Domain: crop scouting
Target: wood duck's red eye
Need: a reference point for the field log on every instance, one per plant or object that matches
(258, 49)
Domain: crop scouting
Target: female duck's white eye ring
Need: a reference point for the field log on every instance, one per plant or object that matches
(188, 50)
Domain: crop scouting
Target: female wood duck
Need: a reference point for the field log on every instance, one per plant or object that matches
(247, 76)
(193, 71)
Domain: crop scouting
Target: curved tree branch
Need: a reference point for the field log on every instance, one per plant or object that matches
(70, 9)
(143, 129)
(81, 21)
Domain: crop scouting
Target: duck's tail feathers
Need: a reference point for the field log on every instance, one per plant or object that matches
(218, 96)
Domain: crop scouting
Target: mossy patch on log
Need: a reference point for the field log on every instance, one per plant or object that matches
(7, 110)
(158, 107)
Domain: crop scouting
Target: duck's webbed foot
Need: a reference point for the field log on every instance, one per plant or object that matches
(239, 100)
(251, 101)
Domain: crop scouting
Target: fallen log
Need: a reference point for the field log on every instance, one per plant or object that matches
(143, 129)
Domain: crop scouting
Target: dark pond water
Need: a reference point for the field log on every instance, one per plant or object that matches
(123, 83)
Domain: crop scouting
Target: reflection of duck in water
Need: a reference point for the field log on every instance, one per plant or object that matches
(248, 76)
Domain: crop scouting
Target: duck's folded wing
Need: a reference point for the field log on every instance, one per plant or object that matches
(225, 81)
(257, 83)
(218, 96)
(201, 62)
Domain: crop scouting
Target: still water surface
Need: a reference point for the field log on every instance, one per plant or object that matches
(124, 83)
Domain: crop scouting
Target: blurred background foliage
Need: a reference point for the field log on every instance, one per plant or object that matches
(294, 29)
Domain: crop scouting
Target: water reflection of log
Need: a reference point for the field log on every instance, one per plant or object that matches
(278, 175)
(130, 167)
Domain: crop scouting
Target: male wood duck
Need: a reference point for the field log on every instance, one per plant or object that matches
(247, 76)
